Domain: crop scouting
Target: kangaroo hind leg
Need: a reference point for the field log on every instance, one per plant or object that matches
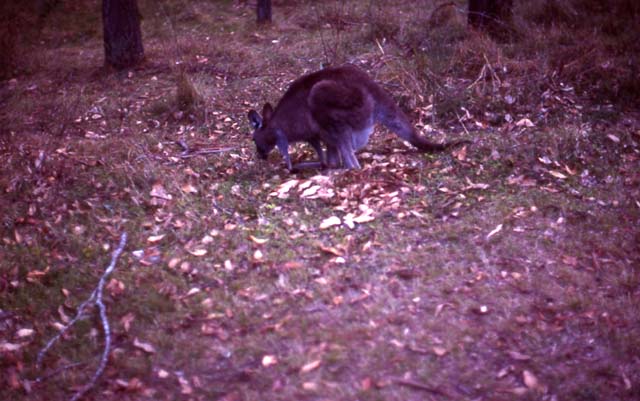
(346, 151)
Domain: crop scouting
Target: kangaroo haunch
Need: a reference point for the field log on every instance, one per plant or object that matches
(337, 107)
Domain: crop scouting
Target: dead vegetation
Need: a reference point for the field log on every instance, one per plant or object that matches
(506, 269)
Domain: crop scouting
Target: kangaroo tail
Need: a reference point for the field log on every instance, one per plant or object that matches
(394, 119)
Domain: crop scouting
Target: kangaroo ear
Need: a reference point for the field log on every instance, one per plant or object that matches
(267, 111)
(255, 119)
(283, 146)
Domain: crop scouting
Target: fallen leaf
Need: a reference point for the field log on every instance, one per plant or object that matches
(522, 181)
(198, 252)
(24, 333)
(292, 265)
(504, 371)
(569, 170)
(310, 386)
(126, 321)
(310, 191)
(519, 391)
(259, 241)
(473, 185)
(115, 287)
(9, 347)
(440, 308)
(366, 383)
(146, 347)
(207, 239)
(613, 138)
(570, 260)
(188, 188)
(461, 154)
(34, 275)
(495, 231)
(544, 159)
(525, 122)
(519, 356)
(330, 222)
(269, 360)
(63, 316)
(133, 385)
(481, 310)
(348, 221)
(627, 382)
(158, 191)
(283, 189)
(530, 380)
(155, 238)
(310, 366)
(364, 218)
(185, 386)
(557, 174)
(330, 249)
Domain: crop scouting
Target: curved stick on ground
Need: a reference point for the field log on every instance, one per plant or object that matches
(95, 297)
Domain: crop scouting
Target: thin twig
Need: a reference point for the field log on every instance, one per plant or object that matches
(461, 123)
(95, 297)
(64, 329)
(480, 76)
(420, 386)
(183, 145)
(205, 152)
(58, 371)
(494, 76)
(325, 47)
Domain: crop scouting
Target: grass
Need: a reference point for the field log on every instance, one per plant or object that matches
(520, 255)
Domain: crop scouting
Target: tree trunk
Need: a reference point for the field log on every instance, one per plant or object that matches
(492, 16)
(264, 11)
(122, 37)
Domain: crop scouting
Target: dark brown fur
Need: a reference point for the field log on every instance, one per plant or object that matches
(337, 107)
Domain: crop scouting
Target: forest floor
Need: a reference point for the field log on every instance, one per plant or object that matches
(506, 269)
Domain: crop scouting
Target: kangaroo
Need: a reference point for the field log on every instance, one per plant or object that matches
(337, 107)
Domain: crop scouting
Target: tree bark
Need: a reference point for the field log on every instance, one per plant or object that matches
(122, 36)
(264, 11)
(492, 16)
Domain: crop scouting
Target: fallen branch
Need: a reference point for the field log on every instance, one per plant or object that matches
(94, 298)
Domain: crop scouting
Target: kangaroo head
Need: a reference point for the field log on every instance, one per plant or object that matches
(266, 136)
(263, 135)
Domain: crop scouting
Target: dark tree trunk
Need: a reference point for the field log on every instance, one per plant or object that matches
(492, 16)
(122, 37)
(264, 11)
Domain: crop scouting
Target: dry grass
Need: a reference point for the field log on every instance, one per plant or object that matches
(509, 270)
